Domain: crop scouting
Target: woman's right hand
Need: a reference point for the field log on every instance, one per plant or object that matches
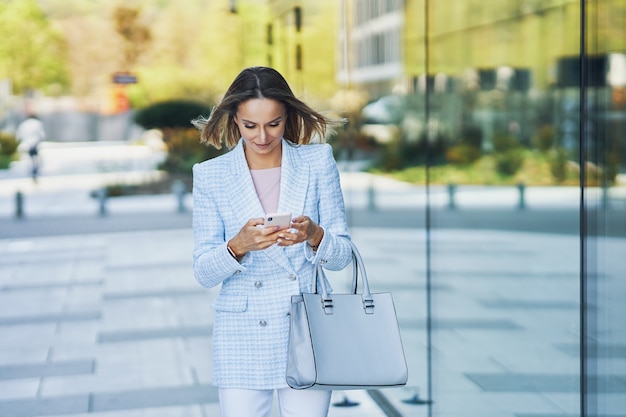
(253, 236)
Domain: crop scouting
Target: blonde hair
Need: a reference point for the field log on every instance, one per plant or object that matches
(302, 124)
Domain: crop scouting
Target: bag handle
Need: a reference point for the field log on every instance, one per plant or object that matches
(357, 267)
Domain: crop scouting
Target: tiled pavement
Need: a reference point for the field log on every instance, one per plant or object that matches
(114, 324)
(108, 323)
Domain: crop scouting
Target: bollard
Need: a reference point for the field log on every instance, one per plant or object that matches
(371, 196)
(522, 200)
(102, 201)
(19, 205)
(451, 192)
(416, 400)
(178, 188)
(346, 402)
(605, 195)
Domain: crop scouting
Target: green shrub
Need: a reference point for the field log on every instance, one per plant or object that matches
(8, 149)
(352, 141)
(391, 159)
(170, 114)
(463, 154)
(8, 144)
(612, 167)
(184, 150)
(472, 135)
(508, 154)
(5, 161)
(182, 140)
(509, 162)
(503, 142)
(544, 138)
(558, 164)
(400, 153)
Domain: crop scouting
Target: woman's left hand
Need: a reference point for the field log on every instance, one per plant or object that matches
(302, 229)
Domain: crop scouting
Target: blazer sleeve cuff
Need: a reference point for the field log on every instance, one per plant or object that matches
(219, 266)
(316, 256)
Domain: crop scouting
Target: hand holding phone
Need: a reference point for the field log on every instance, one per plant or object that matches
(282, 220)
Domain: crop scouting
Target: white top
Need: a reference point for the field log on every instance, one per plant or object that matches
(30, 132)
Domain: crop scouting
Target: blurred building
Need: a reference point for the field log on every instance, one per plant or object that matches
(496, 65)
(301, 43)
(383, 44)
(371, 45)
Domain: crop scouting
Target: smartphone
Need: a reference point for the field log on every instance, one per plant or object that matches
(282, 220)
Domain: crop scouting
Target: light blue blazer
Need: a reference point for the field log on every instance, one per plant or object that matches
(251, 324)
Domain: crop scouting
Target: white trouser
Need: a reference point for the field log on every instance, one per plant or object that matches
(258, 403)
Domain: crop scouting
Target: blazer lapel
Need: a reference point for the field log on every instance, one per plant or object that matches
(294, 181)
(240, 188)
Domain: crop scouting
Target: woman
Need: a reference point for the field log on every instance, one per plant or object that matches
(260, 268)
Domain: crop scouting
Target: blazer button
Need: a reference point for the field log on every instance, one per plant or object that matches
(258, 284)
(262, 323)
(292, 277)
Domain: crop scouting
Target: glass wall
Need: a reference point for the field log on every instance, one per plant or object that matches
(513, 117)
(604, 220)
(505, 335)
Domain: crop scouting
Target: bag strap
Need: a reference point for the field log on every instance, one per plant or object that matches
(358, 268)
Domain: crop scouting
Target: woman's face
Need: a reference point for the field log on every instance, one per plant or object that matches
(261, 124)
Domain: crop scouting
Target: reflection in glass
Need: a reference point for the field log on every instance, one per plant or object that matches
(492, 112)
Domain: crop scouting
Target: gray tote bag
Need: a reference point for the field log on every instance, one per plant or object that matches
(345, 341)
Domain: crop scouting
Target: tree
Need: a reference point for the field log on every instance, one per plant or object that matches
(92, 53)
(198, 49)
(32, 51)
(136, 35)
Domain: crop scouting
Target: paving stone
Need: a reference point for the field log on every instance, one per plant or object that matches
(53, 317)
(71, 404)
(607, 351)
(166, 292)
(12, 389)
(36, 286)
(148, 267)
(518, 382)
(89, 224)
(50, 257)
(466, 324)
(56, 368)
(37, 336)
(147, 334)
(24, 354)
(196, 410)
(568, 415)
(530, 304)
(154, 397)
